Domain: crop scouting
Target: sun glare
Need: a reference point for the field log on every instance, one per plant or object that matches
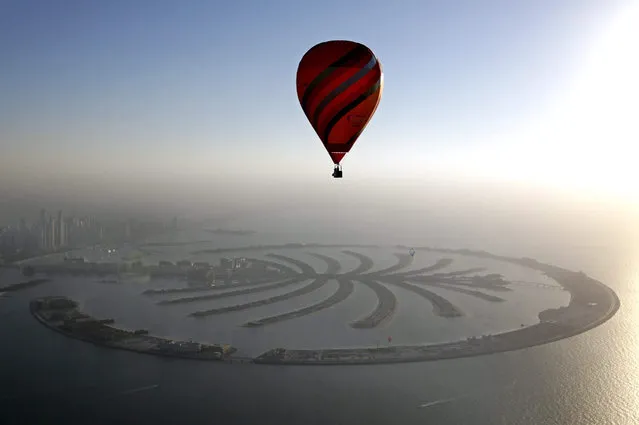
(597, 125)
(588, 138)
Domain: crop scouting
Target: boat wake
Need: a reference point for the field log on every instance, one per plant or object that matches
(451, 399)
(437, 402)
(137, 390)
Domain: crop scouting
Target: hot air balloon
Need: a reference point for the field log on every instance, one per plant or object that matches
(339, 85)
(411, 252)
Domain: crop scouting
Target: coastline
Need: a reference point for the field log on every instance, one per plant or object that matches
(137, 341)
(22, 285)
(555, 325)
(591, 304)
(236, 232)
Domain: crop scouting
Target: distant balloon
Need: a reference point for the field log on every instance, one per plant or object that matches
(390, 339)
(339, 85)
(411, 252)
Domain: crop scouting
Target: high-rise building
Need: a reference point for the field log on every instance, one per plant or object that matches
(69, 226)
(52, 243)
(43, 229)
(60, 231)
(127, 230)
(65, 233)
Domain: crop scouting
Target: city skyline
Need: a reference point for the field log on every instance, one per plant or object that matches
(55, 232)
(165, 98)
(51, 232)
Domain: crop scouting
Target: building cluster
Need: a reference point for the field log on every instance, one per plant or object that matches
(190, 347)
(202, 271)
(52, 232)
(62, 313)
(49, 233)
(225, 264)
(233, 263)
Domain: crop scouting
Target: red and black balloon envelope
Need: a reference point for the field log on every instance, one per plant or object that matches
(339, 85)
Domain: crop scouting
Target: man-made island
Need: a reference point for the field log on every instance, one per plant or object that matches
(591, 304)
(231, 232)
(23, 285)
(61, 314)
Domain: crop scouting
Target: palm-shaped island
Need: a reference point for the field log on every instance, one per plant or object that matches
(591, 302)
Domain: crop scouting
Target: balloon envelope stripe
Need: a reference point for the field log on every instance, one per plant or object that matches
(343, 87)
(342, 101)
(322, 81)
(350, 57)
(330, 84)
(352, 105)
(353, 139)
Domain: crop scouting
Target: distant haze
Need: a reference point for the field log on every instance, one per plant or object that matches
(462, 214)
(497, 119)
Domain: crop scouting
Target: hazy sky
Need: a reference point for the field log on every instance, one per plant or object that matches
(132, 96)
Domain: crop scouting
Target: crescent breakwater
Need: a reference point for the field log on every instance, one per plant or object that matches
(62, 315)
(231, 232)
(591, 304)
(23, 285)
